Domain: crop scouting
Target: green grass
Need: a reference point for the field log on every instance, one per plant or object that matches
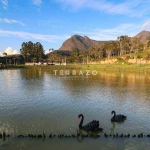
(143, 54)
(111, 67)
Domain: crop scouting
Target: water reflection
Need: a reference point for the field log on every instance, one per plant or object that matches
(113, 127)
(91, 134)
(52, 103)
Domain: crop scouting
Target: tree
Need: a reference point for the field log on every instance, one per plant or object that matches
(110, 48)
(5, 54)
(76, 55)
(123, 43)
(148, 41)
(32, 51)
(137, 46)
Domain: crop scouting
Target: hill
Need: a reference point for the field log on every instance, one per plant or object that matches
(143, 35)
(83, 43)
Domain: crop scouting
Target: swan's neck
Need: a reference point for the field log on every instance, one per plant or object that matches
(114, 114)
(81, 122)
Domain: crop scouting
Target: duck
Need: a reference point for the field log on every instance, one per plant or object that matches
(117, 118)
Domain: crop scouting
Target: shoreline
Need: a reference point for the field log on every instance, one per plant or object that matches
(99, 67)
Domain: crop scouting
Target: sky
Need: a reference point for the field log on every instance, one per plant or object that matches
(51, 22)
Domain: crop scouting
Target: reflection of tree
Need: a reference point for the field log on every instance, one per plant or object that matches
(30, 74)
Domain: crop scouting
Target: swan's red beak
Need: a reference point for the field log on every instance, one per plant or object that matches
(78, 117)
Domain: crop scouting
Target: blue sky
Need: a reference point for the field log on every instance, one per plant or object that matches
(51, 22)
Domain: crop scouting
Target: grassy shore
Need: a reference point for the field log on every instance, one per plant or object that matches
(111, 67)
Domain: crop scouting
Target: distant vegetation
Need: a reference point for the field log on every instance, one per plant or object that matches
(83, 50)
(130, 47)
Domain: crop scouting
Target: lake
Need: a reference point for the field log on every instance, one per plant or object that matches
(37, 100)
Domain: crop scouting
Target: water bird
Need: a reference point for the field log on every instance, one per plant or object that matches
(117, 118)
(91, 126)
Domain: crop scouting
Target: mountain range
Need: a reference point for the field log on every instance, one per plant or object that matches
(83, 43)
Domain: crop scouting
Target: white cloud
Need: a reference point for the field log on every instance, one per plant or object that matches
(11, 21)
(37, 2)
(113, 33)
(4, 3)
(46, 51)
(146, 26)
(27, 35)
(10, 51)
(1, 54)
(128, 7)
(15, 52)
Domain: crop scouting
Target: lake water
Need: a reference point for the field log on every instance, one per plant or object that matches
(33, 100)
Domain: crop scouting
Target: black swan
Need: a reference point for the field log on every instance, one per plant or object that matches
(117, 118)
(91, 126)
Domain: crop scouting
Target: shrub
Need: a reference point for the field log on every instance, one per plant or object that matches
(127, 58)
(138, 56)
(119, 59)
(147, 57)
